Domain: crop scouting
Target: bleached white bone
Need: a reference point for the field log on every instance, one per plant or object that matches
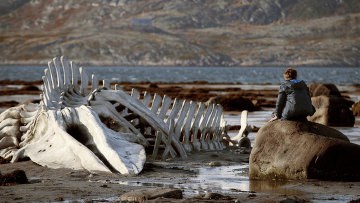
(156, 103)
(66, 70)
(165, 106)
(181, 119)
(135, 93)
(8, 141)
(166, 102)
(75, 77)
(84, 81)
(137, 107)
(187, 126)
(195, 127)
(244, 127)
(62, 148)
(105, 108)
(215, 129)
(177, 104)
(170, 138)
(203, 126)
(94, 82)
(13, 112)
(106, 84)
(147, 99)
(9, 122)
(31, 107)
(210, 128)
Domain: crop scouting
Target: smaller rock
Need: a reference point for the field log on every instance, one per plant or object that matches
(59, 199)
(318, 89)
(293, 200)
(332, 111)
(233, 102)
(30, 88)
(211, 195)
(244, 150)
(215, 163)
(355, 201)
(13, 178)
(4, 161)
(142, 195)
(245, 143)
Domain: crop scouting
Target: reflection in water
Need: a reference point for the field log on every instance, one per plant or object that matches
(232, 179)
(229, 179)
(280, 187)
(223, 178)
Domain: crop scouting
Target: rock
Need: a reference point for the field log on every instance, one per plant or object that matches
(293, 200)
(59, 199)
(355, 201)
(30, 88)
(150, 193)
(331, 108)
(318, 89)
(332, 111)
(215, 163)
(303, 150)
(245, 143)
(4, 161)
(356, 109)
(233, 102)
(212, 195)
(13, 178)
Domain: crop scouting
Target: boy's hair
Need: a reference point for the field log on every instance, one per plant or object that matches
(290, 73)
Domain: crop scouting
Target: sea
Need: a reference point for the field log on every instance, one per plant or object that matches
(234, 75)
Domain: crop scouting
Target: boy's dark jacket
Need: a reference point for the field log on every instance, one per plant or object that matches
(294, 101)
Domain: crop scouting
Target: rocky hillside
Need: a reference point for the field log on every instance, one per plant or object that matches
(182, 32)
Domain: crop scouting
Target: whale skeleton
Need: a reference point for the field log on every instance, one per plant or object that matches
(82, 124)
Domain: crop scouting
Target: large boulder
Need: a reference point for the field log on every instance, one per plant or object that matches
(303, 150)
(332, 108)
(332, 111)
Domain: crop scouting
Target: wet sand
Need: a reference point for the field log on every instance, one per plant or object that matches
(222, 172)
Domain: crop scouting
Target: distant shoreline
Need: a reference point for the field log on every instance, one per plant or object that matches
(42, 63)
(203, 75)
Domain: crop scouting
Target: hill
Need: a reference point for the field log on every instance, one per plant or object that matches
(182, 32)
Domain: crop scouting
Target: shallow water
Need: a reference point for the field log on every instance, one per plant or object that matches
(233, 180)
(229, 179)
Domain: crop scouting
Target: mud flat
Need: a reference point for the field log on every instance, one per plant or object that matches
(224, 173)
